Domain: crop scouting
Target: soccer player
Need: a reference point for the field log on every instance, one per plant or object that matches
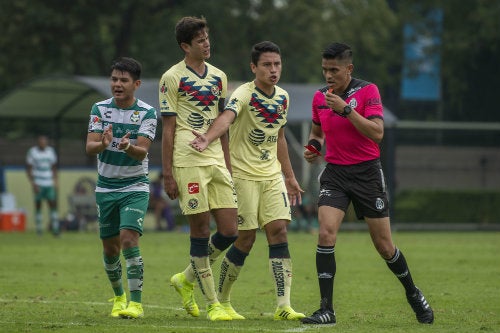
(347, 115)
(121, 130)
(192, 94)
(41, 167)
(263, 176)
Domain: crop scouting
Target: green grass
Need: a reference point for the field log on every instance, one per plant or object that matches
(59, 285)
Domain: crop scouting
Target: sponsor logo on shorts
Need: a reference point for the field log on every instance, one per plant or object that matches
(193, 203)
(134, 210)
(325, 193)
(240, 220)
(193, 188)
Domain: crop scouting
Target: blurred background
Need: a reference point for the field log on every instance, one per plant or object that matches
(435, 63)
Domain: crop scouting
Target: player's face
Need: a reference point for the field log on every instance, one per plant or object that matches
(268, 69)
(200, 46)
(42, 142)
(123, 88)
(337, 74)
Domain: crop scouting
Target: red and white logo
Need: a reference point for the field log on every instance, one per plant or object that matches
(193, 188)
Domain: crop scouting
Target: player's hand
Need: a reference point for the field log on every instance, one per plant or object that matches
(107, 136)
(294, 191)
(200, 142)
(171, 188)
(125, 141)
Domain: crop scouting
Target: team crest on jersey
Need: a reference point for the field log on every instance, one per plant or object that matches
(163, 88)
(281, 109)
(193, 203)
(215, 90)
(135, 117)
(353, 103)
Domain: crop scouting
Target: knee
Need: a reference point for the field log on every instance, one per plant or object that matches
(386, 251)
(326, 237)
(245, 242)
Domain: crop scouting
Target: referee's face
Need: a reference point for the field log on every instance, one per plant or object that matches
(337, 74)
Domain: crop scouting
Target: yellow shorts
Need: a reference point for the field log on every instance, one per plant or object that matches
(260, 202)
(204, 188)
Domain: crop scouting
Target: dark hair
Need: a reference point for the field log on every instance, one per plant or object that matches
(338, 51)
(129, 65)
(188, 27)
(262, 47)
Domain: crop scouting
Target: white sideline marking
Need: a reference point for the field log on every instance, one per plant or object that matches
(190, 327)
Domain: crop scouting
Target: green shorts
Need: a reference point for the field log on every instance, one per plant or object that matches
(46, 193)
(261, 202)
(121, 210)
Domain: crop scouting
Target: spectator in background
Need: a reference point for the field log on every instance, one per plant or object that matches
(161, 205)
(41, 167)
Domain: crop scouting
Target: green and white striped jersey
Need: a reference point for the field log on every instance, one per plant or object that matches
(117, 171)
(42, 161)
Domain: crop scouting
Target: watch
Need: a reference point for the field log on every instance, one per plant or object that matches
(347, 110)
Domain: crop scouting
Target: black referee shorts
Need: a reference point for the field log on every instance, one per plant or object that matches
(363, 184)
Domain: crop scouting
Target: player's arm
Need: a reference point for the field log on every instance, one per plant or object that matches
(98, 142)
(224, 141)
(54, 174)
(167, 155)
(29, 172)
(292, 186)
(217, 129)
(139, 151)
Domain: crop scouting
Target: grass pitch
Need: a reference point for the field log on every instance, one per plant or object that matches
(59, 285)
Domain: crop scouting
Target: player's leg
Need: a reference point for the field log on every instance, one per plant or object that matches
(231, 266)
(108, 220)
(38, 211)
(133, 207)
(280, 267)
(248, 204)
(51, 196)
(200, 232)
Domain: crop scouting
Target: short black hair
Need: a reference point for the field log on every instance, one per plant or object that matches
(262, 47)
(188, 27)
(338, 51)
(130, 65)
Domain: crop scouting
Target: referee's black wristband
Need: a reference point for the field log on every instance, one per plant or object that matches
(315, 143)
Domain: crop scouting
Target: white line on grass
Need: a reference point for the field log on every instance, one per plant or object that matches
(195, 328)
